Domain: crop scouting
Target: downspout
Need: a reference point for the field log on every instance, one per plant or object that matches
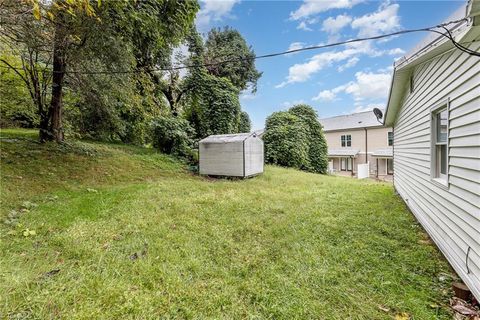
(366, 146)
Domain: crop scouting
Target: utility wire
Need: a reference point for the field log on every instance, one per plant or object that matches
(447, 34)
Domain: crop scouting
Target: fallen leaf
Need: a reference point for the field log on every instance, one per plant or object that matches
(466, 311)
(402, 316)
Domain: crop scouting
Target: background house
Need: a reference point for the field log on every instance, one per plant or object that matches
(357, 138)
(434, 107)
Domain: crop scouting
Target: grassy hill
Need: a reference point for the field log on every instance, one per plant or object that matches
(94, 230)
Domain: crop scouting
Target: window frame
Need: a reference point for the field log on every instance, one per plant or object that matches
(346, 140)
(388, 138)
(435, 165)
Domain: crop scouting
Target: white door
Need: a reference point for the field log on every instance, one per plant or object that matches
(343, 166)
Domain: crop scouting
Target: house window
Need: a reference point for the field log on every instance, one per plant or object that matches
(440, 143)
(346, 164)
(346, 140)
(390, 139)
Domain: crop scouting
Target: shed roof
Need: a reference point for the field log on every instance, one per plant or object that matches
(383, 153)
(343, 152)
(350, 121)
(226, 138)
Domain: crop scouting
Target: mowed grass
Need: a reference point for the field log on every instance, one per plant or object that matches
(125, 232)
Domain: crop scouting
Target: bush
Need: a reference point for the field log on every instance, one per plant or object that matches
(245, 123)
(294, 138)
(317, 145)
(285, 141)
(173, 136)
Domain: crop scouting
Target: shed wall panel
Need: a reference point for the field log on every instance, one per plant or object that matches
(253, 156)
(222, 159)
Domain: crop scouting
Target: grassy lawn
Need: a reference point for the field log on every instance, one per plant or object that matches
(109, 231)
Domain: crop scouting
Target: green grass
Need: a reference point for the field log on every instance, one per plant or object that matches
(135, 235)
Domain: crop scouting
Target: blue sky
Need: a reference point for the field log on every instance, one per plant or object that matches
(334, 81)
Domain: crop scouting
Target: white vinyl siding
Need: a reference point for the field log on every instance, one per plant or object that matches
(450, 213)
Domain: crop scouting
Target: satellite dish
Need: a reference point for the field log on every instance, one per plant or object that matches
(378, 113)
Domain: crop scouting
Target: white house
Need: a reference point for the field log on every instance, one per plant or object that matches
(434, 109)
(234, 155)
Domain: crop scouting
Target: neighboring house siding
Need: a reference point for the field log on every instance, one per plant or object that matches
(451, 215)
(377, 138)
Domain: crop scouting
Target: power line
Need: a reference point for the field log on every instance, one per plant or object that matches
(447, 35)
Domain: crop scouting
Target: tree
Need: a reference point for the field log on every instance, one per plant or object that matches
(317, 145)
(214, 106)
(229, 44)
(245, 124)
(63, 35)
(285, 140)
(295, 138)
(16, 108)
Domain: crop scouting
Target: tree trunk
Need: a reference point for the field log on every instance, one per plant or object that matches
(54, 128)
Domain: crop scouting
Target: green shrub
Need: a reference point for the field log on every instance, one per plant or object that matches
(245, 123)
(173, 136)
(285, 141)
(317, 145)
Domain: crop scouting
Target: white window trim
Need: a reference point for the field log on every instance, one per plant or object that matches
(443, 180)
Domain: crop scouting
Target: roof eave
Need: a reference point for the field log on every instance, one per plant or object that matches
(402, 70)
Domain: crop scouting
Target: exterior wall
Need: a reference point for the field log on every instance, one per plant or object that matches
(450, 214)
(377, 138)
(253, 156)
(221, 159)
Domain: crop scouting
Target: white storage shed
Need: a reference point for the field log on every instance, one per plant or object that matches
(233, 155)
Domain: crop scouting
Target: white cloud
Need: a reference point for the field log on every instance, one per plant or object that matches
(368, 86)
(295, 46)
(350, 63)
(368, 107)
(325, 95)
(329, 95)
(396, 52)
(384, 20)
(247, 96)
(333, 25)
(304, 26)
(214, 10)
(301, 72)
(288, 104)
(312, 7)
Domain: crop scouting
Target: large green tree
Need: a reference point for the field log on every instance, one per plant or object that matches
(317, 145)
(285, 140)
(295, 138)
(228, 55)
(63, 37)
(245, 123)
